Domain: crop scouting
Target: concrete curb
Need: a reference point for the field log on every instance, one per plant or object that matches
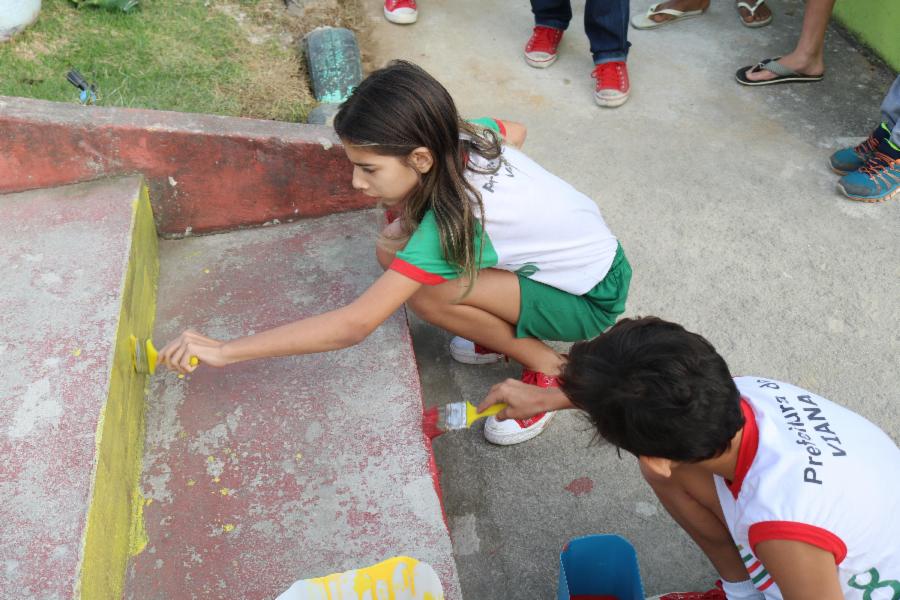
(206, 173)
(80, 264)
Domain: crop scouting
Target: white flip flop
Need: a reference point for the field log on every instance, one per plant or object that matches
(645, 22)
(752, 10)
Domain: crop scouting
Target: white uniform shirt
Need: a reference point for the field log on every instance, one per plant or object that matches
(812, 471)
(535, 224)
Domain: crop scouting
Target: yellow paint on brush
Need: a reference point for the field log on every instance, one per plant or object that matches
(399, 578)
(115, 529)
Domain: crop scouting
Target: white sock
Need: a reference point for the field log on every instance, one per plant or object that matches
(741, 590)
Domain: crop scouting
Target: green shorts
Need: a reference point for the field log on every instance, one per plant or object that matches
(548, 313)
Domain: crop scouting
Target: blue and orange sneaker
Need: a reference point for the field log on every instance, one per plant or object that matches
(850, 159)
(878, 179)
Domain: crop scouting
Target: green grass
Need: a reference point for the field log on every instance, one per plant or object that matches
(183, 55)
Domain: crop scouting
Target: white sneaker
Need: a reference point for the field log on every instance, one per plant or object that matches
(401, 12)
(515, 431)
(470, 353)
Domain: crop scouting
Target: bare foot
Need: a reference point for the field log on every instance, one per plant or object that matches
(762, 12)
(793, 61)
(682, 5)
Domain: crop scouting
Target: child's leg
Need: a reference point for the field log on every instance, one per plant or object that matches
(689, 495)
(487, 315)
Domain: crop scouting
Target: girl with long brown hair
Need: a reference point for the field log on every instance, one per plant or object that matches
(485, 244)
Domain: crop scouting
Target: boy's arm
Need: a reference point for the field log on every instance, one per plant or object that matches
(802, 571)
(332, 330)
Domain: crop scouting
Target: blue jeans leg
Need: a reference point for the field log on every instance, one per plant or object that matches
(890, 111)
(552, 13)
(605, 23)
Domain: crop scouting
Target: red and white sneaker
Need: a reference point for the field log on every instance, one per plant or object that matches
(612, 83)
(402, 12)
(540, 51)
(470, 353)
(714, 594)
(516, 431)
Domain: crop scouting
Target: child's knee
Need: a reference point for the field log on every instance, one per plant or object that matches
(430, 302)
(391, 241)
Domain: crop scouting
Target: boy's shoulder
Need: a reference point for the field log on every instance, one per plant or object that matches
(807, 446)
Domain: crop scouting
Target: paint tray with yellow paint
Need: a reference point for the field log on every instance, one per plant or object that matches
(400, 578)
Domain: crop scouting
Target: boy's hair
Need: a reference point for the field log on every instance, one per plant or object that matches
(400, 108)
(655, 389)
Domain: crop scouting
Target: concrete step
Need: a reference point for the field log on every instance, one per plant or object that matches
(78, 266)
(272, 471)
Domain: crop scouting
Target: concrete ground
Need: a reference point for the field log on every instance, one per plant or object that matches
(724, 202)
(275, 470)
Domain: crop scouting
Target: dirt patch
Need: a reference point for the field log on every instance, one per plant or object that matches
(280, 81)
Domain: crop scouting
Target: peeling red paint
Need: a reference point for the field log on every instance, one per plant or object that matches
(206, 173)
(355, 494)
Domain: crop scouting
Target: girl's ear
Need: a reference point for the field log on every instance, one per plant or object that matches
(660, 467)
(421, 159)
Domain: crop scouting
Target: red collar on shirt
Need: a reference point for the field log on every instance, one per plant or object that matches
(747, 451)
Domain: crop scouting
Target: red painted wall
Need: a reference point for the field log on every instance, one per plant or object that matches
(206, 173)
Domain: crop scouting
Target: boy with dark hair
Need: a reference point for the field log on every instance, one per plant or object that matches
(789, 495)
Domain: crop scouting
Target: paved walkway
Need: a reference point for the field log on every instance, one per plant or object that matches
(276, 470)
(723, 200)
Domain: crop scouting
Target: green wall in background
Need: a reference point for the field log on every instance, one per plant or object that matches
(876, 23)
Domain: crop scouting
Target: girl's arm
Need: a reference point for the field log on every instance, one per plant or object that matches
(515, 133)
(332, 330)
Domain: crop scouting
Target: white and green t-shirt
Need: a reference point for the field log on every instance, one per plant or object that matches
(535, 224)
(809, 470)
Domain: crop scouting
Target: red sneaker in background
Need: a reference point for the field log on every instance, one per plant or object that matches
(612, 83)
(402, 12)
(540, 51)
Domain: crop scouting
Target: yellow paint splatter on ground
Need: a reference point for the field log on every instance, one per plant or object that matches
(225, 491)
(206, 270)
(216, 479)
(148, 501)
(299, 456)
(182, 434)
(210, 459)
(76, 352)
(191, 483)
(228, 527)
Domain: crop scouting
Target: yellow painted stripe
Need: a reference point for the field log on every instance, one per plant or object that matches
(115, 529)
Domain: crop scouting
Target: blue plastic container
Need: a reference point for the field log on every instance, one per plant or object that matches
(599, 565)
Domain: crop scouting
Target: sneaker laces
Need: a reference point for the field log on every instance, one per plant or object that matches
(544, 39)
(867, 146)
(610, 75)
(878, 165)
(393, 5)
